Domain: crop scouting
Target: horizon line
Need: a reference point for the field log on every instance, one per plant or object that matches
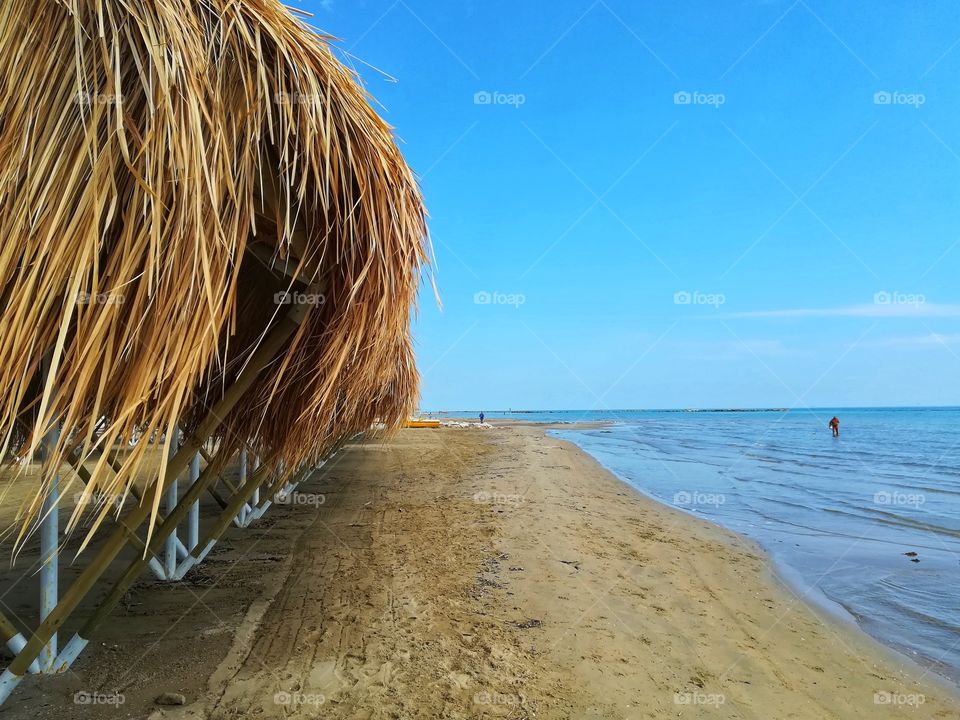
(712, 408)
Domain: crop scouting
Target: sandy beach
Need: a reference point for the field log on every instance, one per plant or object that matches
(470, 573)
(403, 360)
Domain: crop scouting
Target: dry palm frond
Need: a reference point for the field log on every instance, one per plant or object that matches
(156, 156)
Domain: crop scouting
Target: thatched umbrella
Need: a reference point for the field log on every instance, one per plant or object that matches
(167, 167)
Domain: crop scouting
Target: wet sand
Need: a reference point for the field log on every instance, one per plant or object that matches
(469, 573)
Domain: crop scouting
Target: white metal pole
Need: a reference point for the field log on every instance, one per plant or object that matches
(256, 493)
(170, 548)
(242, 515)
(50, 550)
(193, 528)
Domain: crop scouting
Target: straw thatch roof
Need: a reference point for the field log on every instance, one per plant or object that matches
(166, 168)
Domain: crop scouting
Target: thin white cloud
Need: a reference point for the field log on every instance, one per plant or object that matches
(917, 341)
(873, 310)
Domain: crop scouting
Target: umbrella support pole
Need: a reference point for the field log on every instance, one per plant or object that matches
(193, 517)
(241, 519)
(50, 554)
(135, 568)
(170, 548)
(156, 567)
(56, 611)
(79, 641)
(14, 640)
(199, 553)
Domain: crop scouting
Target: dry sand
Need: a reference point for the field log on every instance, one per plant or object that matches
(467, 573)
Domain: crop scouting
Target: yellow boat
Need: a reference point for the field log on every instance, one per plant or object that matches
(422, 424)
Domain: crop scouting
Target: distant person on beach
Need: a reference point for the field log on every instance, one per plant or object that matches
(835, 426)
(481, 418)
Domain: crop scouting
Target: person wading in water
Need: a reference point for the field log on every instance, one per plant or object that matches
(835, 426)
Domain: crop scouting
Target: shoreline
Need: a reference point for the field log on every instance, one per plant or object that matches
(841, 624)
(824, 607)
(828, 609)
(494, 572)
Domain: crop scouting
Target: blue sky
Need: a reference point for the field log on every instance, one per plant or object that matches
(685, 204)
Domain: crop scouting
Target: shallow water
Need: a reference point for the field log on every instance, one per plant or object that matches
(835, 514)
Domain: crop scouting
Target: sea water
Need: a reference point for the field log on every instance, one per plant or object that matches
(837, 515)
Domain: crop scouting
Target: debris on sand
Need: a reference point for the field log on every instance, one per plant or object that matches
(531, 623)
(171, 698)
